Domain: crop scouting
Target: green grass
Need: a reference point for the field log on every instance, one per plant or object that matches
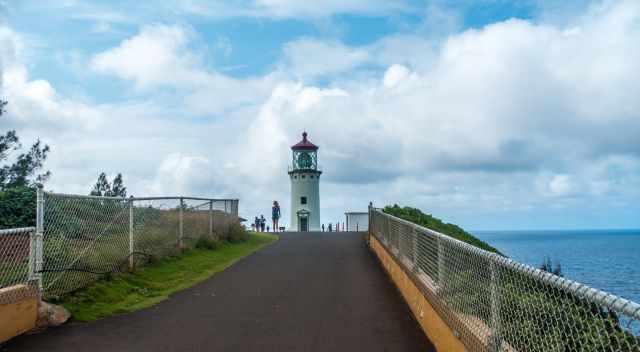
(128, 292)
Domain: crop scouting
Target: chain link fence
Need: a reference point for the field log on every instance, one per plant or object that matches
(78, 239)
(15, 248)
(496, 304)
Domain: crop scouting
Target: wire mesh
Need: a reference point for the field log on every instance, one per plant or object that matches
(15, 283)
(496, 304)
(85, 237)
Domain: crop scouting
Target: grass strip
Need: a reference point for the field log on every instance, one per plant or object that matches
(128, 292)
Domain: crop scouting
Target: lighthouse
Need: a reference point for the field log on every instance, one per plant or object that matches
(305, 186)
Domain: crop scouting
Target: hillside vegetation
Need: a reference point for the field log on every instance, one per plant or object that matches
(418, 217)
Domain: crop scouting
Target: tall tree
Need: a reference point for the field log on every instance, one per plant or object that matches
(17, 194)
(24, 172)
(102, 186)
(117, 188)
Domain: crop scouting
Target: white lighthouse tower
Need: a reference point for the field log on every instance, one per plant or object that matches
(305, 186)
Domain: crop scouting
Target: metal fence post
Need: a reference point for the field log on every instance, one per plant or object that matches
(37, 252)
(370, 223)
(210, 218)
(181, 223)
(131, 245)
(441, 267)
(495, 341)
(415, 249)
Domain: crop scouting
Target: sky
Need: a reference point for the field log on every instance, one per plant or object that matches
(491, 114)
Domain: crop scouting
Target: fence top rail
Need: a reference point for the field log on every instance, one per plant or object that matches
(186, 198)
(138, 198)
(15, 231)
(602, 298)
(356, 213)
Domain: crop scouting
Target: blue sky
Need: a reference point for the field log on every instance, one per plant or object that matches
(492, 114)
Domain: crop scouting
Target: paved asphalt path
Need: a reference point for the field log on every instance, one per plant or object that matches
(306, 292)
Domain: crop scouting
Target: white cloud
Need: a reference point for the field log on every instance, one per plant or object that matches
(311, 58)
(157, 55)
(35, 101)
(160, 56)
(181, 174)
(394, 75)
(490, 112)
(494, 120)
(561, 185)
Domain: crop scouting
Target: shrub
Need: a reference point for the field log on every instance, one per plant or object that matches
(18, 207)
(237, 233)
(209, 243)
(418, 217)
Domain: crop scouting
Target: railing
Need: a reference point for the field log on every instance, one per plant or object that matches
(291, 168)
(496, 304)
(16, 247)
(79, 238)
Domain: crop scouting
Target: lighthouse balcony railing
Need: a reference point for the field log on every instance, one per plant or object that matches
(292, 168)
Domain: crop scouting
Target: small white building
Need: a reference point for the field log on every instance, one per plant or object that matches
(305, 186)
(357, 221)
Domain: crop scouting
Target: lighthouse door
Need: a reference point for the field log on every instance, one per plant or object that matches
(304, 224)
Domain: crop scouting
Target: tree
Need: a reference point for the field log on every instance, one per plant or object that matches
(18, 179)
(117, 188)
(24, 172)
(17, 207)
(102, 186)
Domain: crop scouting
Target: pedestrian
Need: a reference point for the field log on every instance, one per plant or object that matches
(322, 227)
(267, 228)
(275, 214)
(257, 222)
(263, 222)
(330, 229)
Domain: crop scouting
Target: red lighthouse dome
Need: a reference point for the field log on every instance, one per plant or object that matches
(304, 144)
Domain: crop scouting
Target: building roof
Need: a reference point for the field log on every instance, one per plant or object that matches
(305, 143)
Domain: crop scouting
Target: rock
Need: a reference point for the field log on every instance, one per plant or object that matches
(51, 315)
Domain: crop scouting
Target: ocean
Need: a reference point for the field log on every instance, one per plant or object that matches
(608, 260)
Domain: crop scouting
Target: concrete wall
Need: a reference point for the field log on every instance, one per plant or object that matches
(433, 326)
(18, 310)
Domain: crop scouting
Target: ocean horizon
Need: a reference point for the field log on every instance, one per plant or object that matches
(605, 259)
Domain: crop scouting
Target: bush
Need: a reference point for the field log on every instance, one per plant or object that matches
(237, 233)
(207, 243)
(418, 217)
(18, 207)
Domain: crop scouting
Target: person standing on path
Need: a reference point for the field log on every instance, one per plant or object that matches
(275, 215)
(322, 227)
(263, 222)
